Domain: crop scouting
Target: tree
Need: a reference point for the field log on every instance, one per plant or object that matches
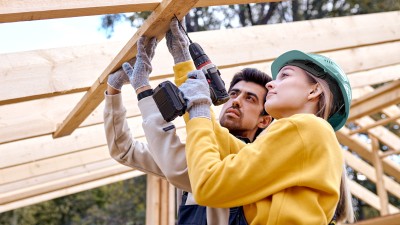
(232, 16)
(123, 202)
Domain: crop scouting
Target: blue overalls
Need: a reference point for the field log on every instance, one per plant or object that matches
(196, 214)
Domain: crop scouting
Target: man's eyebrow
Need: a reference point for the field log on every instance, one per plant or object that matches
(246, 92)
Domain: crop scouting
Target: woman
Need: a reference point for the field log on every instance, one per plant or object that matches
(293, 172)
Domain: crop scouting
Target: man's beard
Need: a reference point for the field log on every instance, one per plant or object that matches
(234, 125)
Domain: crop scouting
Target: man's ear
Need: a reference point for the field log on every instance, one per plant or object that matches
(264, 121)
(315, 92)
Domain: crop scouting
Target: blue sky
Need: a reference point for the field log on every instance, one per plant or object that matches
(52, 33)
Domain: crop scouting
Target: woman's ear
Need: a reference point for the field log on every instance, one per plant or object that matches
(315, 92)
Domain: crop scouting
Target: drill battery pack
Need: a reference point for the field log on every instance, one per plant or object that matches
(169, 100)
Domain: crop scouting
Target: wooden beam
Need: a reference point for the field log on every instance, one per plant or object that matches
(25, 10)
(94, 96)
(58, 184)
(68, 191)
(384, 96)
(364, 150)
(160, 202)
(383, 134)
(375, 76)
(156, 25)
(68, 70)
(392, 111)
(380, 185)
(367, 170)
(383, 220)
(58, 175)
(368, 197)
(44, 166)
(390, 152)
(377, 123)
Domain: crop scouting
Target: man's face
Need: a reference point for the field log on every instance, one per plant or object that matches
(241, 114)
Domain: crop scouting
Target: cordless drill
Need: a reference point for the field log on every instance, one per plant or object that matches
(170, 100)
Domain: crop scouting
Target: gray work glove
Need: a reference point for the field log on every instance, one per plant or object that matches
(119, 78)
(177, 42)
(196, 92)
(139, 74)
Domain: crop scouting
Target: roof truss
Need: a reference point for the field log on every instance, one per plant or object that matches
(34, 167)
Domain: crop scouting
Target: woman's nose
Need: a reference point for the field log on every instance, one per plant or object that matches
(270, 85)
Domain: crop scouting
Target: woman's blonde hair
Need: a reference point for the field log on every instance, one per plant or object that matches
(327, 107)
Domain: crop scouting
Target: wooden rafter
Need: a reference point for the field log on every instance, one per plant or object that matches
(70, 71)
(371, 103)
(24, 10)
(361, 148)
(68, 191)
(94, 96)
(384, 220)
(359, 44)
(367, 170)
(377, 123)
(380, 184)
(368, 197)
(156, 25)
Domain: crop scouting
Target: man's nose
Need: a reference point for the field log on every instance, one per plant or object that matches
(237, 101)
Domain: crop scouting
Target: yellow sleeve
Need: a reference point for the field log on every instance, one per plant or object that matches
(180, 75)
(181, 70)
(283, 157)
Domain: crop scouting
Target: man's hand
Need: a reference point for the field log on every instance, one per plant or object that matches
(177, 42)
(196, 92)
(139, 74)
(116, 80)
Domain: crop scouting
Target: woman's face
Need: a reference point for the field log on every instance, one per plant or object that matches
(289, 93)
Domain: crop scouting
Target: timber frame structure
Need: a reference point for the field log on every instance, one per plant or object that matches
(52, 139)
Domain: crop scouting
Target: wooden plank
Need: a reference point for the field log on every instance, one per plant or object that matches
(367, 170)
(53, 185)
(68, 191)
(383, 220)
(368, 197)
(380, 185)
(58, 175)
(156, 25)
(383, 134)
(153, 212)
(25, 10)
(159, 202)
(382, 97)
(68, 70)
(364, 150)
(375, 76)
(45, 166)
(93, 97)
(375, 124)
(44, 147)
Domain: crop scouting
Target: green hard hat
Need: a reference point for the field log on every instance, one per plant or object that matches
(324, 66)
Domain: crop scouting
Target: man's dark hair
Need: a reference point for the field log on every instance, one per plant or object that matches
(255, 76)
(251, 75)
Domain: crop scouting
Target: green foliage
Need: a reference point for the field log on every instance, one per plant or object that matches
(217, 17)
(123, 202)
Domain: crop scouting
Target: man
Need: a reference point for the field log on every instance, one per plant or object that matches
(164, 155)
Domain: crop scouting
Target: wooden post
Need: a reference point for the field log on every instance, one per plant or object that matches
(380, 186)
(160, 202)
